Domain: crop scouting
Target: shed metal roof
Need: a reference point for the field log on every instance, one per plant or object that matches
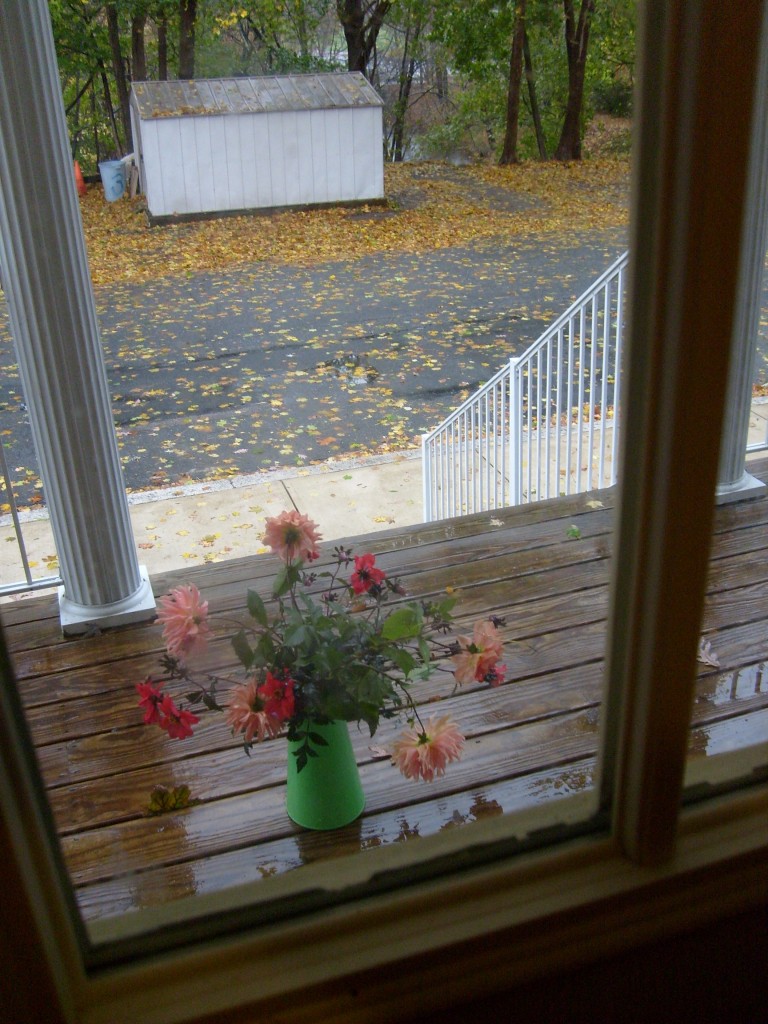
(222, 96)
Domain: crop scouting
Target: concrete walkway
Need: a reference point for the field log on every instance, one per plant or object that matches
(212, 522)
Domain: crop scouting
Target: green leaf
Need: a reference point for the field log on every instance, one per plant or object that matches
(404, 660)
(242, 649)
(210, 702)
(295, 635)
(162, 800)
(317, 739)
(403, 624)
(424, 651)
(282, 584)
(287, 577)
(256, 608)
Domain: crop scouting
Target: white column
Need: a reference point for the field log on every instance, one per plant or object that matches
(733, 480)
(53, 319)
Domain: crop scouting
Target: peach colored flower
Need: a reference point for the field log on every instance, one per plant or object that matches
(423, 755)
(479, 654)
(184, 615)
(292, 535)
(246, 713)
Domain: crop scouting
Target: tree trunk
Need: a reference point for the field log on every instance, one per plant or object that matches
(138, 50)
(94, 124)
(509, 150)
(110, 108)
(187, 17)
(407, 69)
(541, 142)
(576, 41)
(441, 81)
(361, 25)
(162, 46)
(121, 81)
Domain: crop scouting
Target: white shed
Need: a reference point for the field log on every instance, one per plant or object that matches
(247, 143)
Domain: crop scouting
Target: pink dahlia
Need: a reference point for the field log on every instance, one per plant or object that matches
(479, 654)
(366, 575)
(423, 755)
(150, 698)
(184, 615)
(177, 723)
(292, 535)
(246, 713)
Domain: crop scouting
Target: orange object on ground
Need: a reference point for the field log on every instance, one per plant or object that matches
(79, 180)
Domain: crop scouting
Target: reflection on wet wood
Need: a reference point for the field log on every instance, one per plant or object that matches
(530, 740)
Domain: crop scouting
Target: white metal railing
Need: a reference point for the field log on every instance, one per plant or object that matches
(12, 517)
(544, 425)
(758, 426)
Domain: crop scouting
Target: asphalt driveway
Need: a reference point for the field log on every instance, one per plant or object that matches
(280, 366)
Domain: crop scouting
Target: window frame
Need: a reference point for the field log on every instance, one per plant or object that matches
(545, 909)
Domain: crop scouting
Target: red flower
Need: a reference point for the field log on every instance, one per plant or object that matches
(150, 697)
(177, 723)
(366, 575)
(277, 695)
(495, 675)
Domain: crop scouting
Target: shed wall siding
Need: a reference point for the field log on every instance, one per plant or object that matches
(246, 161)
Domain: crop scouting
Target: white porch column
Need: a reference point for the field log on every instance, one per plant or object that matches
(53, 318)
(734, 482)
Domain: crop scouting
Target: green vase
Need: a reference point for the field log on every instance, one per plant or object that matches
(326, 793)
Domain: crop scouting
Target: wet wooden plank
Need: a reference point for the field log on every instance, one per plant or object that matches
(165, 883)
(527, 739)
(213, 771)
(162, 883)
(111, 777)
(260, 815)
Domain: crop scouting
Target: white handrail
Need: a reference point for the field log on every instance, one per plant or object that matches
(543, 424)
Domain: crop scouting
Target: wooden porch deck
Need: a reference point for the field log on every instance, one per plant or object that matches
(529, 740)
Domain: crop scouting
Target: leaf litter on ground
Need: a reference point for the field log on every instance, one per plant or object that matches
(426, 207)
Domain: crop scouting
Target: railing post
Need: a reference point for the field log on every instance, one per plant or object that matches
(617, 364)
(515, 436)
(426, 478)
(53, 319)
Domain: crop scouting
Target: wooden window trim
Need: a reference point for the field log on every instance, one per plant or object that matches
(547, 909)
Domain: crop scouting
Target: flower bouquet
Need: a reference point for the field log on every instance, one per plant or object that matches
(336, 645)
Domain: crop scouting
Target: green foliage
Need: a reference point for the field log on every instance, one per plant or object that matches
(613, 98)
(163, 800)
(477, 36)
(472, 38)
(328, 649)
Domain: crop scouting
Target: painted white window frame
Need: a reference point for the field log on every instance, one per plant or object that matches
(594, 894)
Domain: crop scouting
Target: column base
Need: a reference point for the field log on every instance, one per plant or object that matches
(139, 607)
(748, 487)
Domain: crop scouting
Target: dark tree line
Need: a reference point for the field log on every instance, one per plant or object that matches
(512, 65)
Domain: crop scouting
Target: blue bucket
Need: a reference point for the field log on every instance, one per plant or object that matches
(112, 178)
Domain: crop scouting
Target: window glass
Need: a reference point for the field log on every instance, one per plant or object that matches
(730, 710)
